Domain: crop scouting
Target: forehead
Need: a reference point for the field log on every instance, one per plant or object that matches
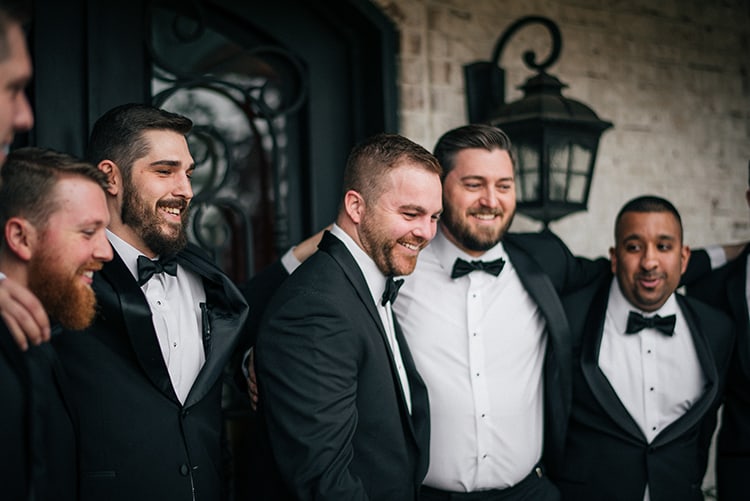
(648, 225)
(79, 200)
(478, 162)
(409, 184)
(17, 64)
(166, 145)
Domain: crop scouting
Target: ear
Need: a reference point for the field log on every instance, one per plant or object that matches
(354, 205)
(685, 254)
(20, 237)
(114, 176)
(613, 260)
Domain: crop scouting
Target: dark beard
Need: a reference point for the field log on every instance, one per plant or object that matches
(469, 239)
(139, 217)
(63, 296)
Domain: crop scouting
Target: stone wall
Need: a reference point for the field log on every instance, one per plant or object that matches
(672, 75)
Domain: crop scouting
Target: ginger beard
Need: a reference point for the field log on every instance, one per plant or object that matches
(138, 215)
(65, 296)
(385, 250)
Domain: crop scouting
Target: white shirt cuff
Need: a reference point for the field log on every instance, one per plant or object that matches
(716, 255)
(289, 261)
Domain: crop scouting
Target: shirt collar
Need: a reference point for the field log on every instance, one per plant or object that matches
(373, 276)
(619, 307)
(127, 253)
(447, 252)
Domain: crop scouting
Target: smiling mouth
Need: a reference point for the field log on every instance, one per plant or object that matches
(411, 246)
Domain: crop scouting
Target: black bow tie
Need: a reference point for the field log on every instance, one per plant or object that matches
(391, 290)
(637, 322)
(461, 267)
(147, 268)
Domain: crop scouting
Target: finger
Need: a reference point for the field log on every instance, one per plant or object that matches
(16, 332)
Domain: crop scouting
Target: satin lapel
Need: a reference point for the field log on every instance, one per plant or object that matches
(338, 251)
(122, 293)
(223, 316)
(708, 365)
(595, 378)
(419, 420)
(558, 367)
(735, 291)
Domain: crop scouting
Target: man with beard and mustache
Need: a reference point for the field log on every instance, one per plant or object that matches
(147, 375)
(489, 336)
(650, 368)
(53, 212)
(346, 410)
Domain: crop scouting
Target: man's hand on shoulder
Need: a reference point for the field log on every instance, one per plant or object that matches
(23, 314)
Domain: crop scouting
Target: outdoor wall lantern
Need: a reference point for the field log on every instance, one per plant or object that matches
(555, 139)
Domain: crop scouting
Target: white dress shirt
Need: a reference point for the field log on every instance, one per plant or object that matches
(657, 378)
(376, 283)
(479, 343)
(176, 313)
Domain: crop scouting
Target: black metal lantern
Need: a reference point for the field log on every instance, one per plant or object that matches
(555, 139)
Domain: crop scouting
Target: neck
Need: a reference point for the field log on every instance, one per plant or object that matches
(14, 269)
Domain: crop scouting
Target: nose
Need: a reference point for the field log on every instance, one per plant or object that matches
(102, 247)
(426, 228)
(184, 187)
(23, 118)
(489, 197)
(648, 260)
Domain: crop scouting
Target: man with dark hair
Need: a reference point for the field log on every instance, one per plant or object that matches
(53, 213)
(147, 374)
(649, 371)
(489, 336)
(728, 288)
(346, 410)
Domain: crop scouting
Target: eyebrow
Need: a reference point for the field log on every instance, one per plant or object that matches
(170, 163)
(483, 178)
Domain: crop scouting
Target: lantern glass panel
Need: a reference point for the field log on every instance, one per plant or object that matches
(527, 157)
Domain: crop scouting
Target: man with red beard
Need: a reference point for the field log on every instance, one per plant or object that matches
(346, 410)
(53, 213)
(146, 375)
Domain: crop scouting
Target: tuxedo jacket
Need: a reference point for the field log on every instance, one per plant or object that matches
(337, 418)
(15, 458)
(548, 270)
(725, 288)
(606, 453)
(137, 441)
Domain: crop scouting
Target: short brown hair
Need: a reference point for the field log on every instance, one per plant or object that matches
(480, 136)
(371, 159)
(28, 178)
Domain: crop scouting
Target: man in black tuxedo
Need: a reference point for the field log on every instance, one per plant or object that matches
(490, 437)
(347, 412)
(726, 288)
(147, 375)
(53, 212)
(650, 367)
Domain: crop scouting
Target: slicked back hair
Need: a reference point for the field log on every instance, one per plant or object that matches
(118, 135)
(480, 136)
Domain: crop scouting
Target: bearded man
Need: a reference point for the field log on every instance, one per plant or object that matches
(53, 212)
(147, 374)
(346, 410)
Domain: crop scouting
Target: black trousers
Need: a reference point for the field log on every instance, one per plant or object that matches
(535, 487)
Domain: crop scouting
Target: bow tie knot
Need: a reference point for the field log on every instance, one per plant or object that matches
(147, 268)
(637, 322)
(391, 290)
(461, 267)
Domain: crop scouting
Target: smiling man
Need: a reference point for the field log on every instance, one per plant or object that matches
(147, 374)
(53, 213)
(346, 410)
(649, 371)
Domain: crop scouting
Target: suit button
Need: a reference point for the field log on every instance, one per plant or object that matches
(651, 450)
(184, 470)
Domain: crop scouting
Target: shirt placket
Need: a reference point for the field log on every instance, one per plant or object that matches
(480, 393)
(650, 389)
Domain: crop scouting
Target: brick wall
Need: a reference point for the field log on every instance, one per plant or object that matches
(673, 76)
